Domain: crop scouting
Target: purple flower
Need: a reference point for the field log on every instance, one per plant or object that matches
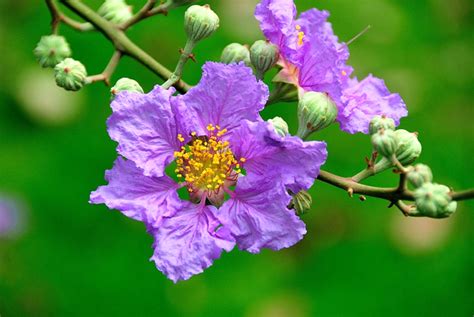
(365, 99)
(313, 59)
(214, 142)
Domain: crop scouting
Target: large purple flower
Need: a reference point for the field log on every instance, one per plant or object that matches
(313, 59)
(214, 142)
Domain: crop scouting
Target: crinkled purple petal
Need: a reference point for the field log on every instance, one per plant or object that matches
(139, 197)
(145, 128)
(277, 22)
(365, 99)
(188, 242)
(313, 22)
(225, 95)
(258, 217)
(287, 159)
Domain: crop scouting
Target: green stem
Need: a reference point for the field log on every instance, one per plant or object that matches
(108, 71)
(186, 54)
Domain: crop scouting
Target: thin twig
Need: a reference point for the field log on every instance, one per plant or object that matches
(391, 194)
(108, 71)
(186, 54)
(140, 15)
(57, 17)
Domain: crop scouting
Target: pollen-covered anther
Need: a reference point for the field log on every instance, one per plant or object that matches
(206, 162)
(300, 35)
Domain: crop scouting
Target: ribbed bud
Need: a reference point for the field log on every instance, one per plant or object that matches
(301, 202)
(385, 143)
(280, 125)
(200, 22)
(434, 201)
(52, 49)
(381, 122)
(126, 84)
(408, 147)
(70, 74)
(235, 53)
(263, 55)
(116, 11)
(419, 175)
(316, 111)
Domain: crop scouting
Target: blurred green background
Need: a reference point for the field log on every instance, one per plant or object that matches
(70, 258)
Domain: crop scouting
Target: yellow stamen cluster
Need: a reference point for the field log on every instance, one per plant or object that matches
(300, 35)
(206, 162)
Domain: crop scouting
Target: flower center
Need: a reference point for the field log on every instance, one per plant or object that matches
(300, 34)
(206, 162)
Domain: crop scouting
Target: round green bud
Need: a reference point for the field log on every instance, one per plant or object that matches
(381, 122)
(235, 53)
(408, 147)
(316, 111)
(263, 55)
(126, 84)
(301, 202)
(280, 125)
(419, 175)
(116, 11)
(200, 22)
(52, 49)
(385, 143)
(434, 201)
(70, 74)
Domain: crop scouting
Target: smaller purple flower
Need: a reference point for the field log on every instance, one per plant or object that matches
(218, 146)
(365, 99)
(313, 59)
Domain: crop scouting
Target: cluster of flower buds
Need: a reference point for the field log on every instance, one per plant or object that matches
(393, 145)
(236, 53)
(434, 201)
(51, 50)
(116, 11)
(125, 84)
(280, 126)
(70, 74)
(200, 22)
(316, 111)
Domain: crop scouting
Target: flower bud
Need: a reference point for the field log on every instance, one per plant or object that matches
(381, 122)
(234, 53)
(408, 147)
(385, 143)
(116, 11)
(434, 201)
(263, 55)
(70, 74)
(281, 127)
(419, 175)
(51, 50)
(316, 111)
(200, 22)
(301, 202)
(126, 84)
